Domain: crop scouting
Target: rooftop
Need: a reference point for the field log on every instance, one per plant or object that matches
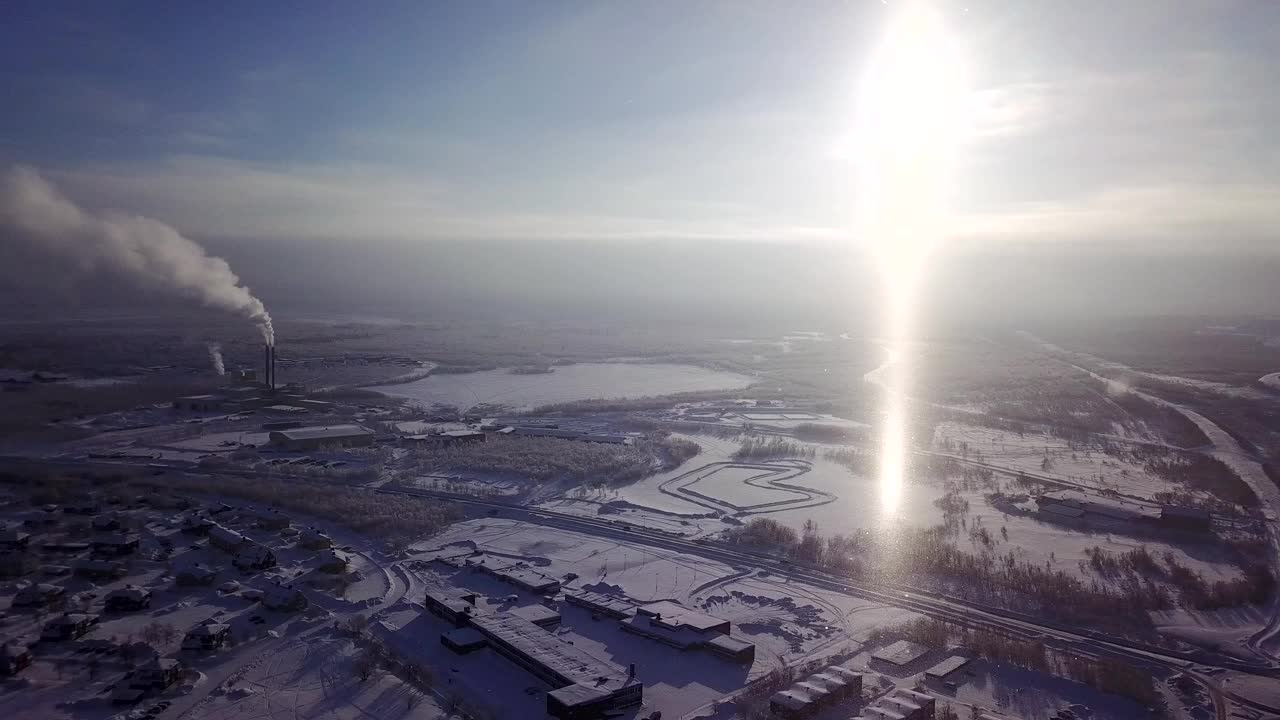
(901, 652)
(948, 666)
(321, 432)
(570, 663)
(675, 614)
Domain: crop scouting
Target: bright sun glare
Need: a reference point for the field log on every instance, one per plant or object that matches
(910, 116)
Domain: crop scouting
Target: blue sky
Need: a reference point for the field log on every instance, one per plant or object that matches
(1145, 122)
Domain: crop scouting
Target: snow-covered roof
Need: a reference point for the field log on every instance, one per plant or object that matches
(222, 534)
(129, 592)
(115, 539)
(792, 698)
(901, 652)
(948, 666)
(678, 616)
(570, 663)
(323, 432)
(13, 650)
(39, 590)
(72, 619)
(210, 628)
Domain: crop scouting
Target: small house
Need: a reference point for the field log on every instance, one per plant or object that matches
(333, 561)
(209, 635)
(16, 563)
(129, 598)
(253, 556)
(13, 658)
(197, 524)
(158, 674)
(284, 598)
(225, 539)
(14, 539)
(106, 523)
(272, 519)
(116, 544)
(313, 539)
(38, 595)
(195, 574)
(68, 626)
(98, 569)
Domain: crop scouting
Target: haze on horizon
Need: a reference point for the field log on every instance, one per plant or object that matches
(1116, 159)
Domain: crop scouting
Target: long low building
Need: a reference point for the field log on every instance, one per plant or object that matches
(310, 438)
(902, 704)
(586, 686)
(601, 604)
(817, 692)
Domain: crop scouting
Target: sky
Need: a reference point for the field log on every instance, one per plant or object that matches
(1144, 125)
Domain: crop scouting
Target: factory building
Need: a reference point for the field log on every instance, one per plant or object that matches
(586, 686)
(311, 438)
(669, 623)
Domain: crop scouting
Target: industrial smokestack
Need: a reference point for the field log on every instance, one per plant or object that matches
(266, 367)
(272, 348)
(146, 252)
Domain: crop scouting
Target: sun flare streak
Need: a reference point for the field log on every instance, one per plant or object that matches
(910, 117)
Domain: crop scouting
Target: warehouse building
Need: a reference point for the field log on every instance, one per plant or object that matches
(311, 438)
(900, 654)
(586, 686)
(678, 626)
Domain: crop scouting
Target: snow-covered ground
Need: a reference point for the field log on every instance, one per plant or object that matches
(1063, 547)
(1027, 452)
(315, 678)
(565, 383)
(855, 505)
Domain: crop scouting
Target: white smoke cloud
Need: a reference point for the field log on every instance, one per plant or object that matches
(215, 356)
(142, 250)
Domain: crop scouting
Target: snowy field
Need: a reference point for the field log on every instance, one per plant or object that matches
(1063, 548)
(315, 679)
(1028, 452)
(855, 505)
(566, 383)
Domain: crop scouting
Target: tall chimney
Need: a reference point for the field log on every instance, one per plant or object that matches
(273, 367)
(266, 367)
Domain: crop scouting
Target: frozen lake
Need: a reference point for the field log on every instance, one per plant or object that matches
(569, 382)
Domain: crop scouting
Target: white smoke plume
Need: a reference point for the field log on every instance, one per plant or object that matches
(215, 356)
(144, 251)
